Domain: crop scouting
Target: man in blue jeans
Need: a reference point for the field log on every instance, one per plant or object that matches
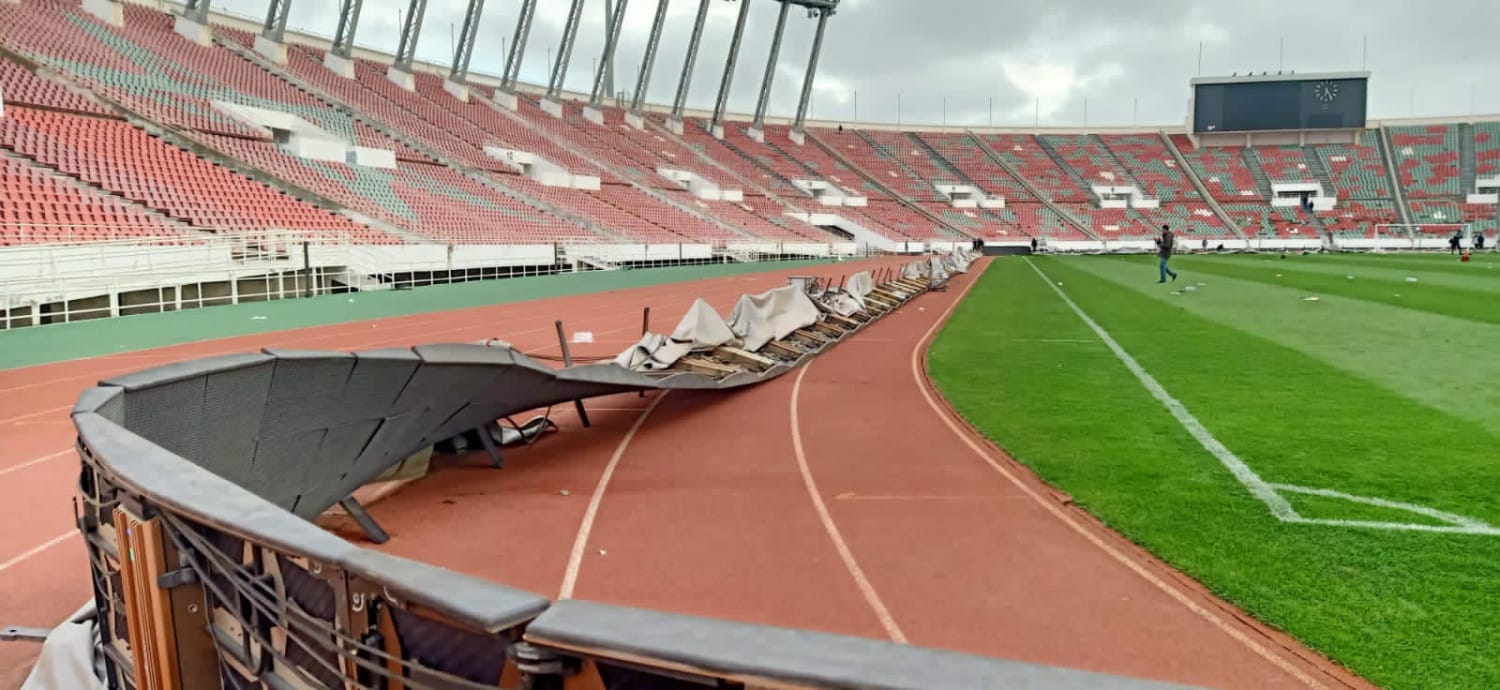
(1164, 250)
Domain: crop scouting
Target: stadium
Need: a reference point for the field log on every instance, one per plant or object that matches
(333, 367)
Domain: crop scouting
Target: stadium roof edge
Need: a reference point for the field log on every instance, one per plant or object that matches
(1306, 76)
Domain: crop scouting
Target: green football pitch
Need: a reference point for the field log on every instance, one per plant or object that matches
(1312, 437)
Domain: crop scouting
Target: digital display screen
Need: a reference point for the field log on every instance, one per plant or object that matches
(1276, 105)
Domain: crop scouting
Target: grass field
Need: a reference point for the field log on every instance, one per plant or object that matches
(1386, 387)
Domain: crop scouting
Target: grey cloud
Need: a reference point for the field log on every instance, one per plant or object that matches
(1131, 63)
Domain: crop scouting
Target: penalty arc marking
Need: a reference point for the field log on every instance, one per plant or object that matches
(1268, 493)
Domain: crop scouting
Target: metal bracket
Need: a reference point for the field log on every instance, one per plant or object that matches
(180, 577)
(489, 447)
(371, 528)
(16, 633)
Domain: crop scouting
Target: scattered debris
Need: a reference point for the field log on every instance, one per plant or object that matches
(1314, 298)
(257, 318)
(1278, 275)
(1411, 279)
(1349, 277)
(601, 552)
(564, 492)
(583, 337)
(1190, 288)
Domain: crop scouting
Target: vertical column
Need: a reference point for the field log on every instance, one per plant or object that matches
(674, 122)
(593, 112)
(192, 24)
(609, 22)
(400, 71)
(272, 33)
(340, 58)
(756, 128)
(647, 63)
(807, 81)
(458, 74)
(551, 103)
(734, 54)
(506, 94)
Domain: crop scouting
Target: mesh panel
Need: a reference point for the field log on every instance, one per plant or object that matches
(472, 656)
(305, 394)
(169, 415)
(283, 465)
(233, 403)
(323, 485)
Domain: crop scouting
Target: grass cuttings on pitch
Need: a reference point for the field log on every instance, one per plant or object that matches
(1403, 609)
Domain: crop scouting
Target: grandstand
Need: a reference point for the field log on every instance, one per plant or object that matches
(211, 138)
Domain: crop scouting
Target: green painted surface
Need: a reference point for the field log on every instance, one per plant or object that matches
(30, 346)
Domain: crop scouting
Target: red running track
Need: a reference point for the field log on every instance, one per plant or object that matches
(844, 497)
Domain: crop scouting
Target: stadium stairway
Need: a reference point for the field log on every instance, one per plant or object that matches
(1031, 188)
(1188, 173)
(949, 230)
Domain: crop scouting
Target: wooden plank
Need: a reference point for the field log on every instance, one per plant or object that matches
(814, 336)
(739, 356)
(707, 367)
(784, 349)
(846, 322)
(829, 329)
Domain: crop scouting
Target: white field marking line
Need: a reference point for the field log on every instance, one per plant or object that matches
(37, 549)
(581, 541)
(34, 461)
(1088, 535)
(1258, 487)
(866, 589)
(1268, 493)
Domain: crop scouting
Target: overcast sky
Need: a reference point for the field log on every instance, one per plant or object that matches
(1124, 63)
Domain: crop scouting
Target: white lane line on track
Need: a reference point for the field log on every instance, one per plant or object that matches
(34, 461)
(37, 549)
(1073, 524)
(581, 541)
(872, 598)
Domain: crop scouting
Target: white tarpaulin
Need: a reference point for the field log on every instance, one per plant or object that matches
(771, 315)
(913, 270)
(840, 304)
(938, 274)
(68, 660)
(701, 328)
(652, 352)
(859, 285)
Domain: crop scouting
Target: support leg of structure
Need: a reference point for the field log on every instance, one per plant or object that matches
(551, 104)
(362, 518)
(757, 128)
(734, 53)
(197, 33)
(684, 82)
(594, 112)
(16, 633)
(648, 63)
(807, 81)
(489, 447)
(567, 353)
(339, 58)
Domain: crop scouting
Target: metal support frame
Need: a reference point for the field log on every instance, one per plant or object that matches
(649, 60)
(362, 518)
(728, 80)
(518, 46)
(562, 340)
(686, 80)
(565, 50)
(16, 633)
(812, 72)
(343, 39)
(465, 48)
(488, 442)
(765, 84)
(609, 22)
(611, 41)
(196, 10)
(407, 50)
(274, 28)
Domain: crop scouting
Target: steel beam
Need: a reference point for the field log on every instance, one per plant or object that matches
(812, 72)
(609, 22)
(734, 54)
(274, 28)
(765, 84)
(518, 46)
(565, 51)
(649, 60)
(406, 51)
(343, 39)
(196, 10)
(465, 48)
(611, 40)
(685, 81)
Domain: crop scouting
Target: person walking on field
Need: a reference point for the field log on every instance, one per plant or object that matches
(1164, 250)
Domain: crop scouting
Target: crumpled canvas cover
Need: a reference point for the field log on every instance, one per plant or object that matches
(653, 352)
(913, 270)
(841, 304)
(771, 315)
(937, 272)
(68, 659)
(702, 328)
(859, 285)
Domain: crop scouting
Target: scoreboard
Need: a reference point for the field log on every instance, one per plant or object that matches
(1280, 102)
